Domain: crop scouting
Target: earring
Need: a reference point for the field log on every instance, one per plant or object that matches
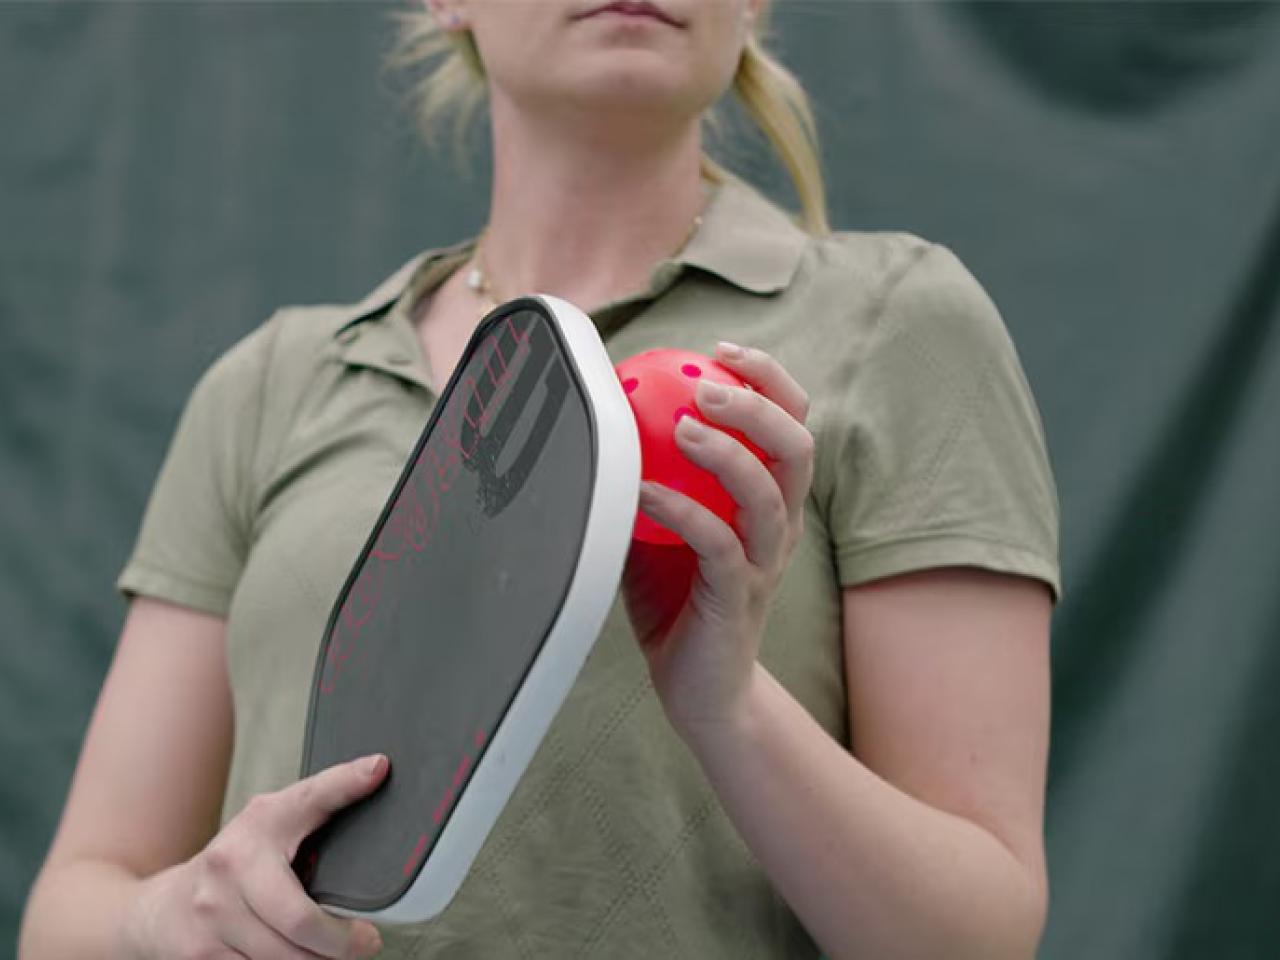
(448, 17)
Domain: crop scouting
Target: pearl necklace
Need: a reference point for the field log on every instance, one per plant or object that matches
(479, 279)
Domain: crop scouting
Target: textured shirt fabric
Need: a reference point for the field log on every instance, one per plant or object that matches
(929, 453)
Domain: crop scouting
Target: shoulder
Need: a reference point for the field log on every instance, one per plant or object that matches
(264, 368)
(870, 257)
(896, 268)
(896, 285)
(298, 339)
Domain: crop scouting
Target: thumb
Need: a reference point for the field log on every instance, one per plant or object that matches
(300, 808)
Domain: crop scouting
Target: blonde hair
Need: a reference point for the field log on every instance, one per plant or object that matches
(772, 96)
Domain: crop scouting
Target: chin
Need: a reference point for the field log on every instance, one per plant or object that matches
(640, 80)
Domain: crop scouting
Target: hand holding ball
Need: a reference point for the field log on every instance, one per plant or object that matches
(660, 386)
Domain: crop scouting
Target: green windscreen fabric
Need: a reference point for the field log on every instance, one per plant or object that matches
(171, 172)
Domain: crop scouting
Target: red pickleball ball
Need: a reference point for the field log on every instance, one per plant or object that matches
(661, 385)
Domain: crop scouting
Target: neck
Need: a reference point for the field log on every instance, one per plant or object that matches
(586, 217)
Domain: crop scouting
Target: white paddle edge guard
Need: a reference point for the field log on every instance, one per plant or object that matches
(615, 495)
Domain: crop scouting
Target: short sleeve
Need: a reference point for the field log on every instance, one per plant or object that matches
(936, 454)
(195, 531)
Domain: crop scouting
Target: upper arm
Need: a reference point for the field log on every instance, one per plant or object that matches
(948, 679)
(147, 789)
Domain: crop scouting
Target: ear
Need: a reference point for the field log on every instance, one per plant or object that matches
(451, 15)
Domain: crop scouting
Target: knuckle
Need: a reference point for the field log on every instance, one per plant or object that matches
(206, 900)
(777, 510)
(221, 856)
(725, 548)
(752, 474)
(260, 807)
(805, 445)
(732, 453)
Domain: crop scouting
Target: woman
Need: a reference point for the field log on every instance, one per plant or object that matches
(835, 742)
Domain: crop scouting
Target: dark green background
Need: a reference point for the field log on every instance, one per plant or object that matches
(170, 172)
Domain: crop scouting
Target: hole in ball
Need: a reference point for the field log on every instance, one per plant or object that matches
(691, 370)
(630, 384)
(681, 412)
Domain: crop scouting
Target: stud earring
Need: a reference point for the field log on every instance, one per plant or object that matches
(447, 17)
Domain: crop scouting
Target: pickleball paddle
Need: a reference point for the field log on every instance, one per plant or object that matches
(471, 608)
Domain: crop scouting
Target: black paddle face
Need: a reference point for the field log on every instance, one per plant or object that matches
(449, 602)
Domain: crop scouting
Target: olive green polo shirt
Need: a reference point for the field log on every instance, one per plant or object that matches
(929, 452)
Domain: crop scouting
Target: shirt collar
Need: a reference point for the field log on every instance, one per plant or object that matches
(410, 278)
(743, 239)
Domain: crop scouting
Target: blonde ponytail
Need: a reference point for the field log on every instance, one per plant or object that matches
(778, 104)
(772, 96)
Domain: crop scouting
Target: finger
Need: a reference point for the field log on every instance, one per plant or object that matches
(766, 375)
(292, 814)
(762, 512)
(785, 440)
(721, 560)
(250, 936)
(272, 893)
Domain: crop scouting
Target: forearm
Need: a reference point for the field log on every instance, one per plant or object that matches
(78, 911)
(869, 870)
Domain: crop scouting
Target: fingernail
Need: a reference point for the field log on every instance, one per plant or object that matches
(373, 944)
(649, 495)
(712, 393)
(691, 429)
(372, 766)
(729, 350)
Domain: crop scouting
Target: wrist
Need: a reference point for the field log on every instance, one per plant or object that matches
(136, 935)
(132, 937)
(733, 731)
